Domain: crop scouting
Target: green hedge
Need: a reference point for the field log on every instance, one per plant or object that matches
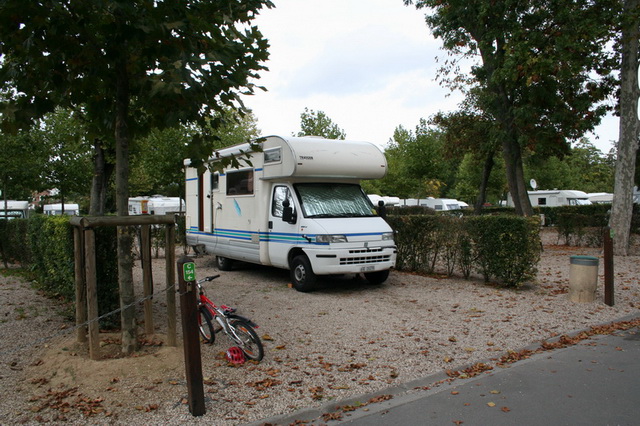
(13, 241)
(45, 245)
(503, 248)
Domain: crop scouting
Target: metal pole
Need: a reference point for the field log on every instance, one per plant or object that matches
(608, 267)
(189, 315)
(147, 278)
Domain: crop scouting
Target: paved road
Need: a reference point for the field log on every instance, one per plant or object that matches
(596, 382)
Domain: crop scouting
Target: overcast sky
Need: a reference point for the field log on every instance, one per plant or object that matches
(370, 65)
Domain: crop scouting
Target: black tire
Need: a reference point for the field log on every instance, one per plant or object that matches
(224, 263)
(377, 277)
(247, 339)
(205, 325)
(302, 276)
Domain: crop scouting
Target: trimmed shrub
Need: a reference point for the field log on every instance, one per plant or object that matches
(505, 248)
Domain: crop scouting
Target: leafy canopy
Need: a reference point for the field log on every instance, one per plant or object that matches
(182, 60)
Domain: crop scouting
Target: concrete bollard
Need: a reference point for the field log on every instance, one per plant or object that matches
(583, 279)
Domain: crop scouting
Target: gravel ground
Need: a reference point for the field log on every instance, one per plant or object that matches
(346, 339)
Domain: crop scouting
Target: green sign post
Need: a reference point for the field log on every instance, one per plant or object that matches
(189, 271)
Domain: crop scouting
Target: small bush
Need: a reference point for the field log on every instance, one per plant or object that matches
(506, 248)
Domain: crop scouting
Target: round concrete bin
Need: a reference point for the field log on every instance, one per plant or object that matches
(583, 278)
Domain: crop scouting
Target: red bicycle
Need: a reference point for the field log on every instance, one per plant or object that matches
(239, 329)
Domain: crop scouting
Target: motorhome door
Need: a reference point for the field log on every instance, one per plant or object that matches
(282, 234)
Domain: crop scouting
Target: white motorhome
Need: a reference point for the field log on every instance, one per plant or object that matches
(155, 205)
(14, 209)
(56, 209)
(298, 206)
(555, 198)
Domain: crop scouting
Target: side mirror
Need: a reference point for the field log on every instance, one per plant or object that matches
(287, 212)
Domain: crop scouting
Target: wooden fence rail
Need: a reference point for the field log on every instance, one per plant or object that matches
(86, 277)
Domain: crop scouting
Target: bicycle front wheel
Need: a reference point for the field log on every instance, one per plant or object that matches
(205, 325)
(246, 338)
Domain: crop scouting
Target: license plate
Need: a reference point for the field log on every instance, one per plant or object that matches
(367, 268)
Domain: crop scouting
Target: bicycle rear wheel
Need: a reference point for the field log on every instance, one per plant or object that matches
(246, 338)
(205, 325)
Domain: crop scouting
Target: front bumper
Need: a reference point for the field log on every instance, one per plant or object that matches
(352, 260)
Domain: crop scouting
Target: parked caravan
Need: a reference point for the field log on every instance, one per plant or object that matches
(56, 209)
(12, 209)
(155, 205)
(387, 201)
(600, 198)
(554, 198)
(298, 205)
(443, 204)
(439, 204)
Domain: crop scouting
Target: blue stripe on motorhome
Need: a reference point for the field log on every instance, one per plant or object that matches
(273, 237)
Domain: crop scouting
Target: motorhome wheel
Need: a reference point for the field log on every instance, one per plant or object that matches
(224, 263)
(302, 275)
(377, 277)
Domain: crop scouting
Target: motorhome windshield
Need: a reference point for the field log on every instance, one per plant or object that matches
(333, 200)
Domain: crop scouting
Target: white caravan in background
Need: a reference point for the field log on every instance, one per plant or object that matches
(11, 209)
(298, 206)
(156, 204)
(555, 198)
(71, 209)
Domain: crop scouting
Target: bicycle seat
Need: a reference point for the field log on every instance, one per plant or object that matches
(228, 309)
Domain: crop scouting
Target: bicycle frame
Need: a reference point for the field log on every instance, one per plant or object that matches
(220, 313)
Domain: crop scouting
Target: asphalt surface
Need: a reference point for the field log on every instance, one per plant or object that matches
(595, 382)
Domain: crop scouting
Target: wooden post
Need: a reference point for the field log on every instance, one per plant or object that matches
(192, 355)
(170, 260)
(81, 286)
(608, 267)
(147, 278)
(92, 294)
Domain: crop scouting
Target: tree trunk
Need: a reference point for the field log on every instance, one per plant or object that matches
(622, 207)
(101, 173)
(486, 174)
(125, 237)
(515, 175)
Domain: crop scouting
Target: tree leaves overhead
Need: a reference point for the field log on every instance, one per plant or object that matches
(548, 60)
(184, 61)
(541, 69)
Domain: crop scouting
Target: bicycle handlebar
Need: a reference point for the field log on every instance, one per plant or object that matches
(211, 278)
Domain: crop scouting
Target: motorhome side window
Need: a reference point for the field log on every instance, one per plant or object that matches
(240, 182)
(215, 181)
(542, 201)
(280, 193)
(273, 155)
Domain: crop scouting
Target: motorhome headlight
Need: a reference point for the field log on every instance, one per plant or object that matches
(387, 236)
(331, 239)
